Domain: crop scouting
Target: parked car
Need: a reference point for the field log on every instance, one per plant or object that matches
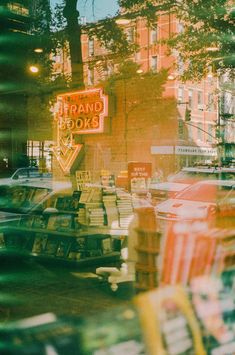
(25, 174)
(191, 175)
(164, 190)
(17, 200)
(201, 199)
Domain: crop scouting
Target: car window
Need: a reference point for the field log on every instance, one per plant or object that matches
(28, 173)
(191, 176)
(21, 174)
(206, 193)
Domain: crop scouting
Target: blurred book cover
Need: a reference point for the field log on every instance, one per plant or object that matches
(116, 332)
(169, 323)
(39, 222)
(39, 244)
(51, 246)
(63, 248)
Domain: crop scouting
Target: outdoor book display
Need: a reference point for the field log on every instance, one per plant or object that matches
(190, 249)
(170, 320)
(61, 235)
(147, 249)
(213, 300)
(58, 239)
(187, 249)
(89, 223)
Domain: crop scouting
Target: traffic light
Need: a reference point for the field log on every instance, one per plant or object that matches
(187, 114)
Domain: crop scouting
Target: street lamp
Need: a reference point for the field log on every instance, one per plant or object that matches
(38, 50)
(33, 69)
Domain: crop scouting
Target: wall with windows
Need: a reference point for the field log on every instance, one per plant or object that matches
(103, 151)
(200, 98)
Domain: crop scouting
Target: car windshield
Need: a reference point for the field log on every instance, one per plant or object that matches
(188, 176)
(26, 173)
(207, 193)
(21, 199)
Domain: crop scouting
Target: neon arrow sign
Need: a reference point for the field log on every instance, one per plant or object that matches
(80, 112)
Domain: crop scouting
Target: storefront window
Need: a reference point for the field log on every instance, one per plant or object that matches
(39, 153)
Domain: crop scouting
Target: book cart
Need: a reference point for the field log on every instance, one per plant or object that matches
(147, 249)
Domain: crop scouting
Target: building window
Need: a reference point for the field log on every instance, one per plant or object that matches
(130, 34)
(211, 133)
(154, 63)
(110, 69)
(90, 77)
(210, 102)
(227, 103)
(180, 64)
(180, 27)
(200, 100)
(40, 154)
(91, 49)
(137, 56)
(153, 35)
(190, 98)
(180, 94)
(190, 132)
(199, 132)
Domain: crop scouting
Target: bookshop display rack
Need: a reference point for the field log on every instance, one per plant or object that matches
(60, 240)
(70, 228)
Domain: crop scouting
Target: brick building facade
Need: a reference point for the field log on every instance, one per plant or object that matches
(163, 137)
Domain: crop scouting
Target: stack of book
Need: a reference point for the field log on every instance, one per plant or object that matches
(91, 194)
(82, 216)
(96, 216)
(91, 207)
(125, 208)
(95, 194)
(110, 205)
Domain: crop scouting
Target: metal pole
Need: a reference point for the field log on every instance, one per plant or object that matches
(125, 120)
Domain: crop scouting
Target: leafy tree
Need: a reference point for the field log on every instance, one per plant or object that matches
(208, 36)
(66, 23)
(141, 96)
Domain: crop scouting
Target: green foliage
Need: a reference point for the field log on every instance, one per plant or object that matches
(112, 37)
(207, 38)
(187, 114)
(134, 8)
(139, 90)
(207, 24)
(45, 35)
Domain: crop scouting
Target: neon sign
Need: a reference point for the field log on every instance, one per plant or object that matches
(79, 112)
(82, 112)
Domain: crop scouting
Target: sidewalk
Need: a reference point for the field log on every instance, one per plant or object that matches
(29, 288)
